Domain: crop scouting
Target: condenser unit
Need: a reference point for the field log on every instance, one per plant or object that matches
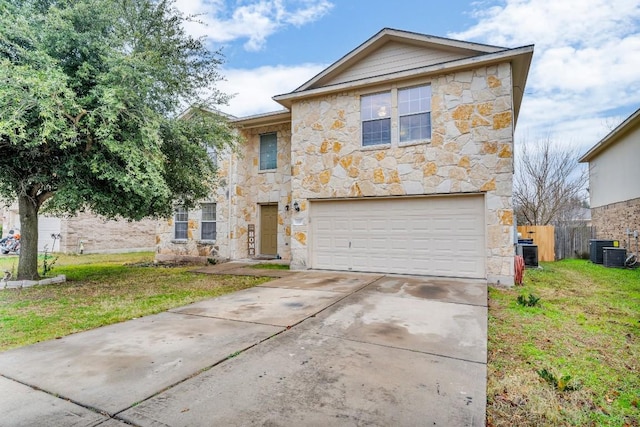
(614, 257)
(529, 253)
(596, 246)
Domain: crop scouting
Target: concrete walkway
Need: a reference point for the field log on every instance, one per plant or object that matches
(310, 348)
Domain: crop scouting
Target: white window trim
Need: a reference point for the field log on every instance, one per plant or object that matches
(175, 223)
(395, 119)
(260, 152)
(214, 221)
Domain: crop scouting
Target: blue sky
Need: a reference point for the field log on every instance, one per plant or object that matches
(584, 80)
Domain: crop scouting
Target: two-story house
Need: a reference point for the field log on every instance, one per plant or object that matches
(398, 158)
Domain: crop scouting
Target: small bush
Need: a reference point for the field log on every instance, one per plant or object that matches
(561, 384)
(530, 301)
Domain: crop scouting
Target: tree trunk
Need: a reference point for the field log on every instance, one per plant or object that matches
(28, 261)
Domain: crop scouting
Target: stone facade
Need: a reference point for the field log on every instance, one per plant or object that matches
(243, 189)
(475, 99)
(254, 188)
(612, 221)
(194, 246)
(471, 151)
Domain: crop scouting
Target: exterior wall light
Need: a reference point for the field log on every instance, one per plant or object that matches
(296, 206)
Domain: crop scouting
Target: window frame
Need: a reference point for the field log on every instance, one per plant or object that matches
(263, 164)
(421, 111)
(367, 117)
(179, 212)
(395, 139)
(204, 221)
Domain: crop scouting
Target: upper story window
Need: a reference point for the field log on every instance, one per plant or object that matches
(208, 221)
(375, 113)
(408, 110)
(414, 111)
(268, 151)
(181, 222)
(213, 155)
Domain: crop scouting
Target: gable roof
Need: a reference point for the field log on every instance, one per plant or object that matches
(459, 55)
(622, 129)
(387, 35)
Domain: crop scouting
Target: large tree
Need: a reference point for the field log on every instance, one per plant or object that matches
(549, 183)
(89, 95)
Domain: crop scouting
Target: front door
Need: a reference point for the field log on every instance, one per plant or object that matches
(268, 229)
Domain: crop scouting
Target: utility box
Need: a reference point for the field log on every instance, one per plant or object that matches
(614, 257)
(596, 248)
(529, 252)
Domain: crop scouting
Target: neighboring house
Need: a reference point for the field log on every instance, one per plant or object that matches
(87, 233)
(398, 158)
(614, 177)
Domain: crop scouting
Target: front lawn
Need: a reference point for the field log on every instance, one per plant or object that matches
(101, 290)
(572, 359)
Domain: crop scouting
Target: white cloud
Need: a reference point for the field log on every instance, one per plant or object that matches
(254, 88)
(253, 20)
(584, 66)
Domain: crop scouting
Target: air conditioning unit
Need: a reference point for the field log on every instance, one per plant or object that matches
(614, 257)
(529, 253)
(596, 247)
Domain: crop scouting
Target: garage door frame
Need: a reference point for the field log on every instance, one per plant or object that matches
(437, 245)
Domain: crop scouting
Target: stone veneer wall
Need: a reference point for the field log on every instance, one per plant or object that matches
(104, 236)
(471, 151)
(254, 187)
(612, 221)
(166, 245)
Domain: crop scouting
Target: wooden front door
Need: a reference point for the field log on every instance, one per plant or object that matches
(268, 229)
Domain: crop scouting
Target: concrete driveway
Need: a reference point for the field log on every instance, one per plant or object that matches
(311, 348)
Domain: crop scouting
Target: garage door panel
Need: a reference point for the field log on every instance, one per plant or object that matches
(431, 236)
(377, 244)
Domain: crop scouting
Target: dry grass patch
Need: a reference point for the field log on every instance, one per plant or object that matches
(585, 333)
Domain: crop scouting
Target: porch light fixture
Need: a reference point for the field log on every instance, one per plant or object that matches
(286, 208)
(296, 206)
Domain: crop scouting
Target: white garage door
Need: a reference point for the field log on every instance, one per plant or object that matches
(441, 236)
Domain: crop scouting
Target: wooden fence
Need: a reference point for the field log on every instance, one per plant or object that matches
(543, 237)
(572, 241)
(560, 242)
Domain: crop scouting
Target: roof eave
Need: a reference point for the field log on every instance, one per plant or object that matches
(189, 111)
(520, 58)
(265, 119)
(612, 137)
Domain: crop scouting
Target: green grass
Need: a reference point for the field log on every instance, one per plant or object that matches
(586, 327)
(101, 290)
(270, 266)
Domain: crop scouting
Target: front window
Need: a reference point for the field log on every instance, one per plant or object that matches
(181, 221)
(208, 221)
(213, 155)
(375, 113)
(268, 151)
(414, 111)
